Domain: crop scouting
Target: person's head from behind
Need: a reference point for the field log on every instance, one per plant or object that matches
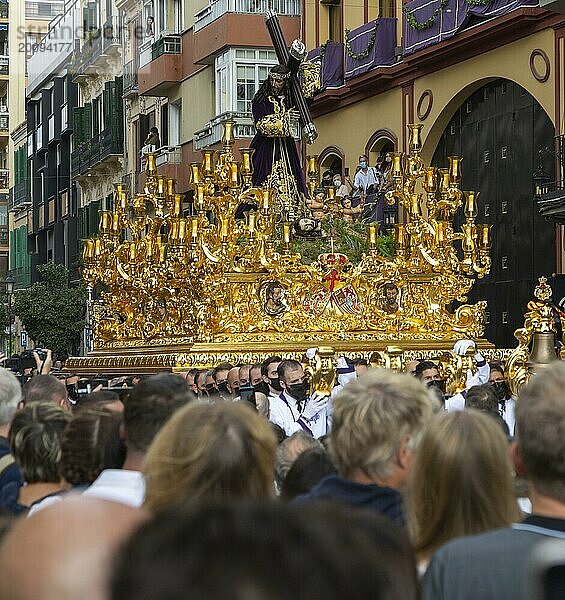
(461, 483)
(378, 421)
(289, 450)
(46, 388)
(10, 397)
(35, 441)
(222, 452)
(483, 398)
(102, 399)
(328, 553)
(65, 551)
(307, 471)
(91, 443)
(149, 407)
(540, 433)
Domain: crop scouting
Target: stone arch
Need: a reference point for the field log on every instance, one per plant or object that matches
(331, 156)
(382, 140)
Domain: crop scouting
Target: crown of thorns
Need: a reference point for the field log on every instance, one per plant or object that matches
(279, 76)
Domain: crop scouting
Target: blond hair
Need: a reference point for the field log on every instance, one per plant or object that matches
(371, 416)
(461, 482)
(207, 452)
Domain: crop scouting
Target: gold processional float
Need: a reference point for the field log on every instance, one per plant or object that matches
(176, 292)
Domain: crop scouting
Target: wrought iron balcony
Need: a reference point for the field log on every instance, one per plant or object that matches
(4, 10)
(4, 179)
(130, 78)
(19, 195)
(211, 133)
(4, 65)
(550, 195)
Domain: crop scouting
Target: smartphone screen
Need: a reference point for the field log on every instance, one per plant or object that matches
(247, 393)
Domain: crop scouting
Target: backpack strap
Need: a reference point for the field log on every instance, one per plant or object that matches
(5, 463)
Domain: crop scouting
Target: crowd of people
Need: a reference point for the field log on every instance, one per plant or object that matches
(239, 481)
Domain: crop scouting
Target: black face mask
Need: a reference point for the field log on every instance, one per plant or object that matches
(275, 383)
(223, 387)
(500, 389)
(262, 387)
(298, 391)
(236, 390)
(438, 383)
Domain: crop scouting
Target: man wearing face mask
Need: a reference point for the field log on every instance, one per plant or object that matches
(366, 180)
(428, 373)
(506, 404)
(271, 376)
(295, 409)
(233, 382)
(221, 379)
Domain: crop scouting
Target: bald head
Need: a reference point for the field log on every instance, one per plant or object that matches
(65, 551)
(233, 381)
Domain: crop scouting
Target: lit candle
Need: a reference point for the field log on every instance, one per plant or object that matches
(177, 205)
(200, 198)
(415, 137)
(132, 252)
(150, 164)
(234, 174)
(174, 230)
(207, 163)
(414, 205)
(372, 235)
(194, 224)
(430, 180)
(440, 233)
(484, 237)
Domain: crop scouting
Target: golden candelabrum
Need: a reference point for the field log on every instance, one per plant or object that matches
(191, 283)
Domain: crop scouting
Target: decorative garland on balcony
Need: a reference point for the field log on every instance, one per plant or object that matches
(368, 49)
(323, 50)
(478, 2)
(415, 24)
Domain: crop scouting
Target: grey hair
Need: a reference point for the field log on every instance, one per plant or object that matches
(10, 396)
(289, 450)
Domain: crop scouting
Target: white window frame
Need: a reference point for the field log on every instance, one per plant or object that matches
(175, 123)
(227, 63)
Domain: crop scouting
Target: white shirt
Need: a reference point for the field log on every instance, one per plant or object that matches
(363, 180)
(508, 413)
(119, 485)
(285, 414)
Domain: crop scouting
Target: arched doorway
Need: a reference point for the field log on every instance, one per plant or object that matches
(499, 130)
(381, 142)
(332, 159)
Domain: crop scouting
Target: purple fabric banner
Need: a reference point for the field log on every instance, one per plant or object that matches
(450, 19)
(381, 53)
(332, 64)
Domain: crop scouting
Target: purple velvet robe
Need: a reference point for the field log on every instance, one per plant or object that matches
(268, 150)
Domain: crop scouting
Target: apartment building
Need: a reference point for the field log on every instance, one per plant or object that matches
(485, 79)
(52, 233)
(28, 22)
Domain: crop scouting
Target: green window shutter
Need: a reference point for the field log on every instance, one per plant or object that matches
(78, 117)
(87, 122)
(12, 250)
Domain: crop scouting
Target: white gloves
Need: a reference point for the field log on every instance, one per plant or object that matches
(315, 404)
(461, 346)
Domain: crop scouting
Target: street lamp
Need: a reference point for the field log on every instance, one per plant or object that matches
(9, 281)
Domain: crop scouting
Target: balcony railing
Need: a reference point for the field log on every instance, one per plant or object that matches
(4, 124)
(43, 10)
(84, 62)
(168, 44)
(93, 152)
(4, 179)
(111, 34)
(130, 78)
(551, 194)
(22, 275)
(4, 10)
(4, 65)
(4, 235)
(19, 195)
(217, 8)
(212, 132)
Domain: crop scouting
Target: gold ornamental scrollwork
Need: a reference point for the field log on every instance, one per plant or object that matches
(169, 274)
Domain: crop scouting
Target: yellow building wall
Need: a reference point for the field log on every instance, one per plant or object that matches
(451, 86)
(351, 128)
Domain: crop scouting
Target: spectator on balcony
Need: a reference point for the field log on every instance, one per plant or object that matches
(150, 28)
(153, 138)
